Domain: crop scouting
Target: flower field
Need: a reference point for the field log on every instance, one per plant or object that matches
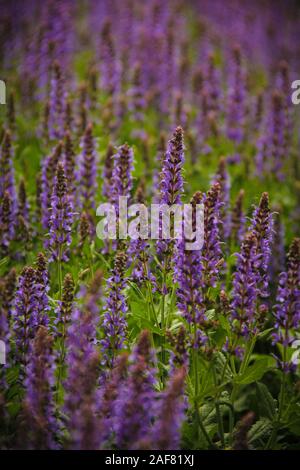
(143, 344)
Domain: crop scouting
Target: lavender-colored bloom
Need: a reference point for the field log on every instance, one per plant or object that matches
(56, 103)
(222, 177)
(66, 306)
(39, 426)
(271, 147)
(109, 393)
(136, 95)
(278, 258)
(236, 98)
(115, 309)
(42, 289)
(23, 204)
(69, 161)
(122, 173)
(87, 173)
(238, 219)
(179, 356)
(171, 182)
(25, 313)
(287, 309)
(6, 223)
(188, 273)
(109, 63)
(7, 178)
(135, 408)
(61, 218)
(49, 166)
(212, 260)
(245, 289)
(262, 227)
(80, 386)
(167, 429)
(108, 171)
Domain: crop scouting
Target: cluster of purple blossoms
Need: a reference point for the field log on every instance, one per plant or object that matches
(39, 420)
(222, 177)
(135, 406)
(25, 313)
(122, 173)
(7, 178)
(115, 309)
(262, 227)
(61, 219)
(212, 259)
(188, 273)
(245, 289)
(87, 170)
(82, 361)
(287, 309)
(42, 289)
(238, 220)
(49, 166)
(171, 180)
(237, 91)
(56, 103)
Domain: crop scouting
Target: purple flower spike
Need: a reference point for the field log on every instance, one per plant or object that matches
(167, 429)
(262, 227)
(39, 426)
(222, 177)
(42, 287)
(7, 178)
(48, 173)
(56, 103)
(25, 313)
(6, 223)
(135, 404)
(122, 173)
(238, 219)
(245, 289)
(287, 310)
(115, 309)
(87, 170)
(61, 218)
(212, 259)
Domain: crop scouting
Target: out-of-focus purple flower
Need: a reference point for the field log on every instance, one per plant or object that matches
(108, 171)
(6, 223)
(179, 356)
(69, 162)
(245, 286)
(80, 386)
(42, 289)
(56, 103)
(25, 314)
(136, 95)
(238, 219)
(188, 273)
(262, 227)
(109, 62)
(272, 147)
(23, 204)
(236, 98)
(115, 309)
(61, 218)
(7, 178)
(122, 173)
(39, 426)
(222, 177)
(212, 259)
(287, 309)
(87, 172)
(49, 166)
(171, 182)
(278, 258)
(167, 429)
(135, 406)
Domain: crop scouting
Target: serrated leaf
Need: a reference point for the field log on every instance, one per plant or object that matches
(252, 373)
(260, 431)
(266, 402)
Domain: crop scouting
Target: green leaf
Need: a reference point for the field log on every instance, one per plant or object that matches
(266, 402)
(253, 372)
(260, 431)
